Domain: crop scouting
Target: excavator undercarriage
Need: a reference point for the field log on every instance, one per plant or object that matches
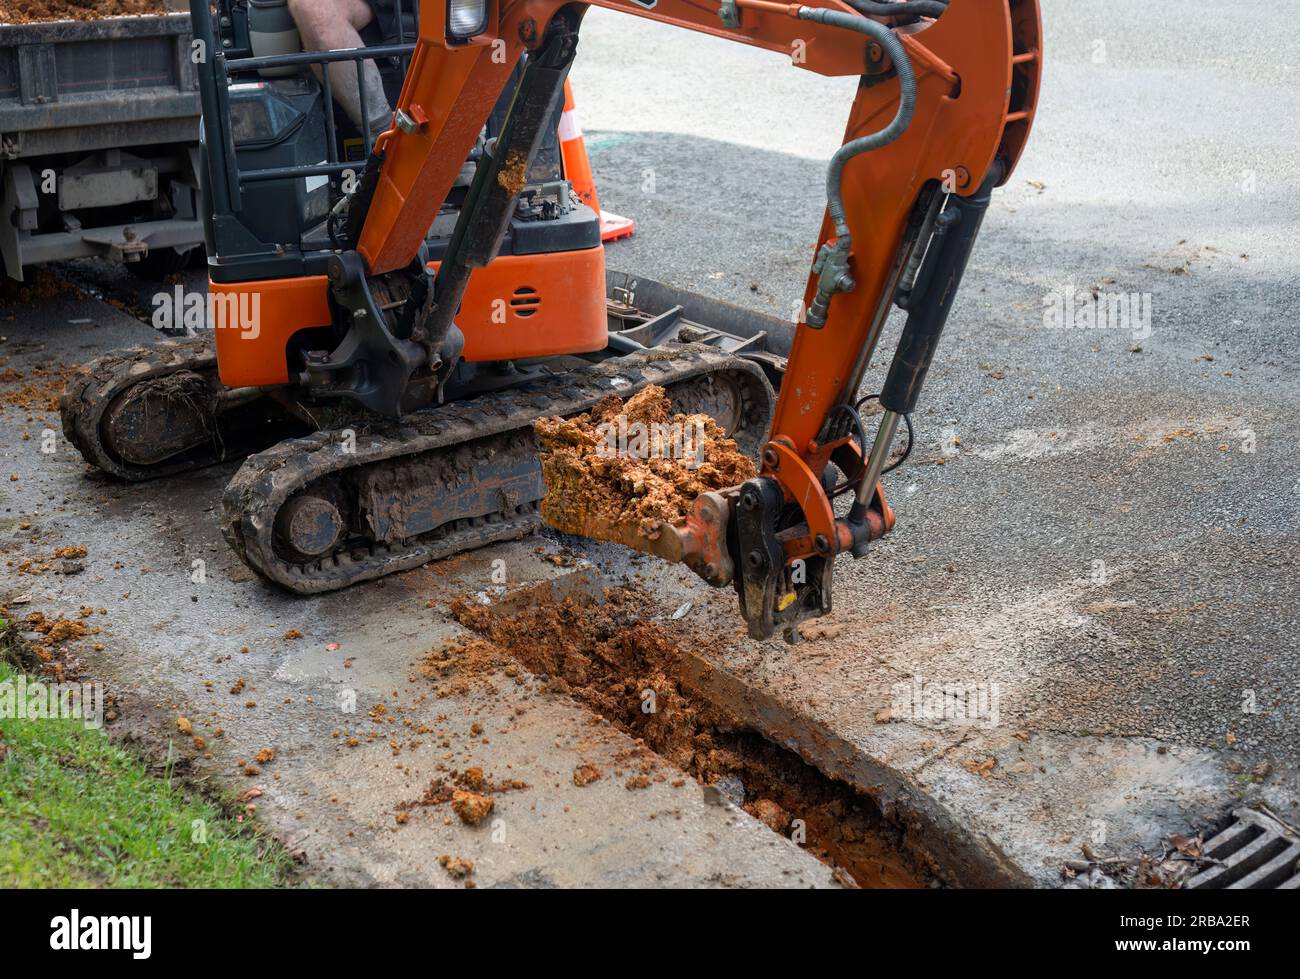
(328, 497)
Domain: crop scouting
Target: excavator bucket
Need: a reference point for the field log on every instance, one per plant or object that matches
(655, 473)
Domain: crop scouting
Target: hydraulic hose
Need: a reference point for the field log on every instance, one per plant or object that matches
(906, 102)
(922, 8)
(832, 264)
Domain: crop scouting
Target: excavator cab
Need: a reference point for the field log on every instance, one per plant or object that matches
(282, 158)
(282, 162)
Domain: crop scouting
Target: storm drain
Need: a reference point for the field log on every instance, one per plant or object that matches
(1256, 853)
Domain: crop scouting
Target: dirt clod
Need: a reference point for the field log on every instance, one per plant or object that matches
(471, 807)
(770, 814)
(982, 768)
(458, 867)
(514, 172)
(56, 630)
(632, 464)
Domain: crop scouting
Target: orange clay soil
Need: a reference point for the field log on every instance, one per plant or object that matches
(39, 11)
(35, 390)
(593, 481)
(607, 654)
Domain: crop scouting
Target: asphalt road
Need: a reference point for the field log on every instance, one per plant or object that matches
(1111, 536)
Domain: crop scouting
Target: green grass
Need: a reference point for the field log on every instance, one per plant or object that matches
(77, 811)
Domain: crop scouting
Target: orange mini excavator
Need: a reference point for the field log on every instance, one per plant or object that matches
(392, 316)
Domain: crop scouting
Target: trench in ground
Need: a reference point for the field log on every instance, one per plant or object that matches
(606, 648)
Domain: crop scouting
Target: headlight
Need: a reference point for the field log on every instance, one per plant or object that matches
(465, 18)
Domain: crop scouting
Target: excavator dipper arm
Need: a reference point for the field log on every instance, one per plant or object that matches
(945, 104)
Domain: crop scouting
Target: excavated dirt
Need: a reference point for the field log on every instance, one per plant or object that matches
(52, 643)
(614, 465)
(610, 657)
(36, 390)
(41, 284)
(38, 11)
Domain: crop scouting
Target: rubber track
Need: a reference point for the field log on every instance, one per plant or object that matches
(268, 479)
(89, 394)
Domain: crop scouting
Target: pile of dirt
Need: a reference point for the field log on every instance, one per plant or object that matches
(632, 465)
(40, 11)
(612, 657)
(463, 663)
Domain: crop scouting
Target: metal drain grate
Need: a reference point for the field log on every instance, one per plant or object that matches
(1256, 852)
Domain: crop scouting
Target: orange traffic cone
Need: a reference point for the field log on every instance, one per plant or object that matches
(577, 168)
